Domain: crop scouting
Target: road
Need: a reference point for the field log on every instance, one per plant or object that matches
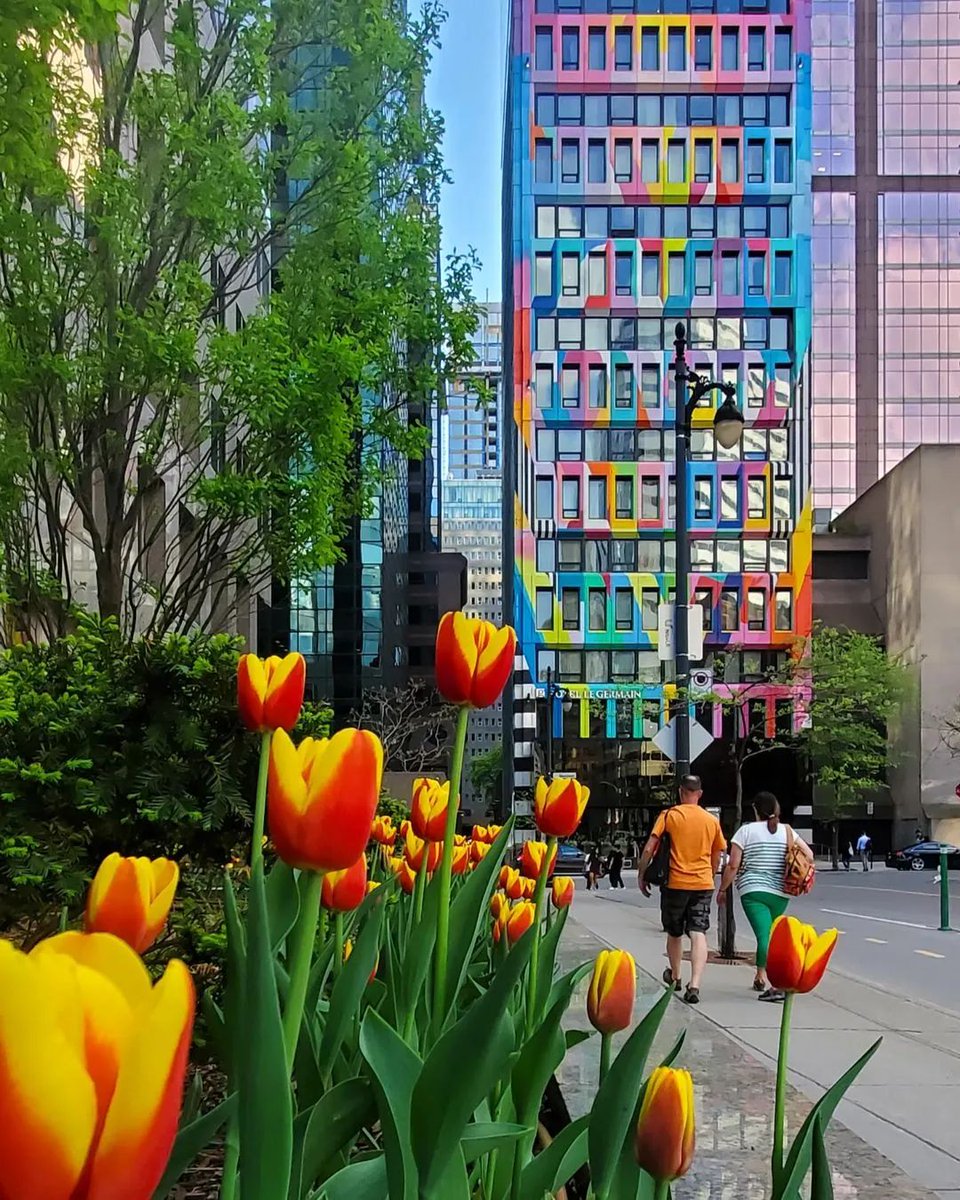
(889, 922)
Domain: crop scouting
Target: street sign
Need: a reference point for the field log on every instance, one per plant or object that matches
(666, 627)
(666, 740)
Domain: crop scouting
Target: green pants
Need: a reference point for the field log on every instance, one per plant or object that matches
(762, 909)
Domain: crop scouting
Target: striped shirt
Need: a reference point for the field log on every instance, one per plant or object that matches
(764, 858)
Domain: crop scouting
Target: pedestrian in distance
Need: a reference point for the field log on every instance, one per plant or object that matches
(863, 850)
(615, 868)
(594, 869)
(847, 855)
(696, 843)
(758, 858)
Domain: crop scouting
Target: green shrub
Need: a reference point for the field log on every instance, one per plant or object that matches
(111, 745)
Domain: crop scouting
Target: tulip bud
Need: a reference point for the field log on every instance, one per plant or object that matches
(383, 831)
(479, 851)
(407, 877)
(532, 857)
(613, 989)
(474, 660)
(461, 860)
(131, 898)
(498, 903)
(563, 889)
(500, 920)
(270, 691)
(665, 1137)
(372, 885)
(520, 919)
(428, 809)
(418, 852)
(797, 956)
(512, 883)
(343, 891)
(559, 806)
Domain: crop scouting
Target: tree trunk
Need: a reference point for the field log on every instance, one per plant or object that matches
(835, 844)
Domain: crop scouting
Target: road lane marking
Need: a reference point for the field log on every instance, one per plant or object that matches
(850, 887)
(836, 912)
(929, 954)
(876, 941)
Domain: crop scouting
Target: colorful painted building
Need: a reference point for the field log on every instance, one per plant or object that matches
(657, 169)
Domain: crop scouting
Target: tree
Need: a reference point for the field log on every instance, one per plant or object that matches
(856, 689)
(486, 774)
(218, 294)
(413, 723)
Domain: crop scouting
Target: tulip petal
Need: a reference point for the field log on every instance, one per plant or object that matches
(818, 956)
(494, 667)
(284, 698)
(120, 906)
(785, 954)
(664, 1141)
(107, 955)
(251, 690)
(456, 658)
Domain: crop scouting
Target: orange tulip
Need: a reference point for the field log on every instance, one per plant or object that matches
(131, 898)
(498, 902)
(270, 691)
(493, 832)
(512, 883)
(479, 833)
(416, 851)
(558, 806)
(532, 856)
(407, 877)
(459, 839)
(321, 797)
(664, 1141)
(613, 989)
(461, 860)
(94, 1056)
(474, 660)
(343, 891)
(500, 920)
(798, 956)
(428, 809)
(383, 831)
(479, 851)
(563, 889)
(519, 920)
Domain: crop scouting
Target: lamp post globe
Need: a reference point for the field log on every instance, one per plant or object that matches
(728, 424)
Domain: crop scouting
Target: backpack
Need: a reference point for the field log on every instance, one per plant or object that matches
(799, 872)
(658, 872)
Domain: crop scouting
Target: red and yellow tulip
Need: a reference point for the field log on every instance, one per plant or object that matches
(417, 852)
(479, 851)
(512, 882)
(270, 691)
(428, 809)
(343, 891)
(406, 876)
(798, 955)
(93, 1060)
(532, 856)
(613, 990)
(519, 919)
(383, 831)
(474, 660)
(666, 1133)
(558, 806)
(563, 889)
(501, 916)
(461, 860)
(321, 797)
(131, 898)
(498, 902)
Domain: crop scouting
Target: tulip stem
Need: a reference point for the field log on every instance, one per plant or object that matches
(606, 1045)
(338, 938)
(779, 1115)
(446, 868)
(420, 887)
(301, 955)
(538, 899)
(662, 1190)
(260, 805)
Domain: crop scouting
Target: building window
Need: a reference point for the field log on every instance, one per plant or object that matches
(544, 608)
(729, 610)
(598, 386)
(756, 385)
(782, 161)
(703, 497)
(569, 161)
(546, 555)
(570, 274)
(756, 608)
(756, 161)
(597, 49)
(623, 266)
(543, 164)
(650, 274)
(570, 607)
(729, 161)
(570, 493)
(676, 282)
(544, 498)
(703, 50)
(543, 386)
(702, 161)
(704, 597)
(597, 498)
(570, 50)
(623, 383)
(757, 498)
(649, 160)
(543, 55)
(650, 390)
(783, 49)
(543, 275)
(622, 161)
(597, 162)
(703, 274)
(598, 610)
(676, 161)
(756, 49)
(676, 49)
(650, 498)
(730, 273)
(623, 50)
(570, 666)
(597, 274)
(783, 611)
(624, 609)
(624, 497)
(783, 273)
(570, 387)
(649, 606)
(649, 50)
(729, 49)
(756, 272)
(781, 387)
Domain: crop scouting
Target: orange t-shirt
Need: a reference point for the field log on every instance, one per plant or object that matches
(695, 836)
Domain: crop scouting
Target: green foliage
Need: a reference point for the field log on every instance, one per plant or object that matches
(390, 806)
(486, 774)
(111, 745)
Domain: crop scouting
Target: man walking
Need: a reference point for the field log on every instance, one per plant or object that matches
(615, 867)
(696, 843)
(863, 849)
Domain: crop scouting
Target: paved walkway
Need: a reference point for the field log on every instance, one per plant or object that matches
(906, 1104)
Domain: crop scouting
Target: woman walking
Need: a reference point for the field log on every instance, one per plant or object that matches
(758, 856)
(593, 869)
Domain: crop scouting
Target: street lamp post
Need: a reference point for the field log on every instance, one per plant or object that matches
(691, 388)
(552, 692)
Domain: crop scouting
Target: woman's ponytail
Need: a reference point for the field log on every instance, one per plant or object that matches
(767, 808)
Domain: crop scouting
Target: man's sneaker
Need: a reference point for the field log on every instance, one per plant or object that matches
(669, 980)
(772, 995)
(691, 995)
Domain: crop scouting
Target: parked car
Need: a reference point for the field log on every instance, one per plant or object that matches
(924, 856)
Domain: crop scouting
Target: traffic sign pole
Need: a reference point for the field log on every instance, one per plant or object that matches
(944, 892)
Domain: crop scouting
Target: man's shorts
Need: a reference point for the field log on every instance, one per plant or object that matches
(684, 912)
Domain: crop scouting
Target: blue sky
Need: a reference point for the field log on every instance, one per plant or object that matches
(466, 85)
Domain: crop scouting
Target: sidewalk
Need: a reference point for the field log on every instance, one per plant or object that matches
(905, 1104)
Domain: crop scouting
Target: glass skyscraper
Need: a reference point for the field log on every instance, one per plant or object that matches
(658, 165)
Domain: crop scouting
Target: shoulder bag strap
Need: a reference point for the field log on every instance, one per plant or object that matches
(789, 839)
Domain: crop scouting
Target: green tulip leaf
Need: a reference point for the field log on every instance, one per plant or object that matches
(548, 960)
(329, 1127)
(234, 984)
(348, 991)
(552, 1167)
(359, 1181)
(573, 1037)
(821, 1185)
(394, 1070)
(415, 962)
(265, 1103)
(192, 1139)
(544, 1051)
(306, 1067)
(674, 1053)
(216, 1026)
(616, 1100)
(483, 1137)
(283, 902)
